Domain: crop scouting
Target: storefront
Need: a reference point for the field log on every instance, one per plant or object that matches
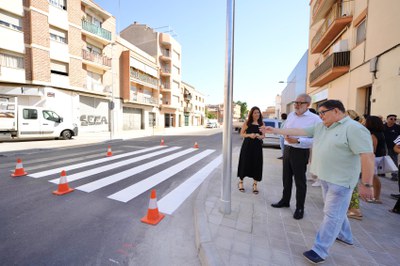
(94, 114)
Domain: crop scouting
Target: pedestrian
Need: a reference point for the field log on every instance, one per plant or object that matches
(342, 148)
(251, 155)
(296, 154)
(354, 210)
(375, 125)
(281, 138)
(391, 131)
(396, 149)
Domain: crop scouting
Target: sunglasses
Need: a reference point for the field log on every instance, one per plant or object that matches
(322, 113)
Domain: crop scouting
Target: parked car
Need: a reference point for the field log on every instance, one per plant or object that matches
(272, 139)
(212, 124)
(237, 125)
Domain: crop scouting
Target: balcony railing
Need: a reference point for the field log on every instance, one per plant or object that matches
(339, 16)
(187, 96)
(90, 56)
(142, 99)
(333, 67)
(92, 28)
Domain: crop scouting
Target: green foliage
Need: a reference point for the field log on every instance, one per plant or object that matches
(243, 109)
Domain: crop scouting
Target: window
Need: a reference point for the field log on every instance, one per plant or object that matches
(59, 3)
(58, 35)
(29, 113)
(176, 70)
(50, 115)
(11, 61)
(59, 68)
(361, 32)
(11, 21)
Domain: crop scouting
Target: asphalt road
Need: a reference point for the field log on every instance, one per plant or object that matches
(90, 228)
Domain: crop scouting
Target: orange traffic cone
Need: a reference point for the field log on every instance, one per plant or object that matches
(196, 146)
(162, 142)
(63, 187)
(153, 216)
(109, 152)
(19, 169)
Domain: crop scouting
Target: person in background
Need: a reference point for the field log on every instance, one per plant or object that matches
(342, 149)
(296, 155)
(391, 131)
(354, 210)
(396, 149)
(251, 155)
(281, 138)
(375, 125)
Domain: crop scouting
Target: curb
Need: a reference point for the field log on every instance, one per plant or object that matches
(207, 251)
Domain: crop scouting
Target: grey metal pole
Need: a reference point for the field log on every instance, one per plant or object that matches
(227, 134)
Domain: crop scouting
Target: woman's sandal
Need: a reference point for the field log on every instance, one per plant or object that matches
(354, 215)
(240, 186)
(255, 191)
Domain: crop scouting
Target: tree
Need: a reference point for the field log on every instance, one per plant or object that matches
(243, 109)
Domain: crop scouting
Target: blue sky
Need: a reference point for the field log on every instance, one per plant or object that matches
(270, 38)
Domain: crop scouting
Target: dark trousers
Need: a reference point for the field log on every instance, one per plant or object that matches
(295, 162)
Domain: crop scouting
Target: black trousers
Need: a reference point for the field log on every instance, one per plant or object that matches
(295, 162)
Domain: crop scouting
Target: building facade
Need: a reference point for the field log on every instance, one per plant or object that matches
(65, 56)
(354, 52)
(194, 106)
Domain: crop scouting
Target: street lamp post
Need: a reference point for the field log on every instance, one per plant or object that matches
(227, 140)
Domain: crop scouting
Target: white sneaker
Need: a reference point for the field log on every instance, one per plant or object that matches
(316, 183)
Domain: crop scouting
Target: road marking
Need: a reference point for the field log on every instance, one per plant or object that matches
(176, 197)
(92, 186)
(135, 190)
(108, 167)
(75, 166)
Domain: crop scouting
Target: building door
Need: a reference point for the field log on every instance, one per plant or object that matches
(132, 118)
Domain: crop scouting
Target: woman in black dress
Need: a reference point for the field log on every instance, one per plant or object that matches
(251, 155)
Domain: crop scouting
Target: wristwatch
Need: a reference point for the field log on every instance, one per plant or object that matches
(366, 184)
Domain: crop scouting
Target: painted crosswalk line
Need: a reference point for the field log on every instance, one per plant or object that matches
(169, 203)
(135, 190)
(92, 186)
(108, 167)
(79, 165)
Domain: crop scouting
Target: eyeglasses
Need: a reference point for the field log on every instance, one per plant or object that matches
(322, 113)
(392, 118)
(299, 103)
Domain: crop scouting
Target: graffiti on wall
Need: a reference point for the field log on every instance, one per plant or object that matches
(91, 120)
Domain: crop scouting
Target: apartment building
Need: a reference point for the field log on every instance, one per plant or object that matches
(194, 106)
(58, 54)
(167, 52)
(138, 76)
(354, 54)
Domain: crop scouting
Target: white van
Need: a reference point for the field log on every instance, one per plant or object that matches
(30, 122)
(272, 139)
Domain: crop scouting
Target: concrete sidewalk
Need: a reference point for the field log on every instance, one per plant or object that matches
(257, 234)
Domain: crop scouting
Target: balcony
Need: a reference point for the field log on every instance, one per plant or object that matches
(338, 18)
(103, 61)
(188, 109)
(336, 65)
(165, 55)
(187, 96)
(165, 87)
(321, 8)
(102, 35)
(165, 72)
(140, 98)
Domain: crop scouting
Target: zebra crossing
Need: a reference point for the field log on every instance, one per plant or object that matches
(97, 176)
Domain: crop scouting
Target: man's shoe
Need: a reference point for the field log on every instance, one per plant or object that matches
(280, 204)
(298, 214)
(313, 257)
(343, 242)
(395, 196)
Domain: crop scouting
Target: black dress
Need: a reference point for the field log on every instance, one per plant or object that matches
(251, 156)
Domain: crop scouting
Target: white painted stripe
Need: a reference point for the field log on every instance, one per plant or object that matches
(79, 165)
(108, 167)
(176, 197)
(89, 187)
(135, 190)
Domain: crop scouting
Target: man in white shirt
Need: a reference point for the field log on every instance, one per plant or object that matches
(396, 149)
(296, 154)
